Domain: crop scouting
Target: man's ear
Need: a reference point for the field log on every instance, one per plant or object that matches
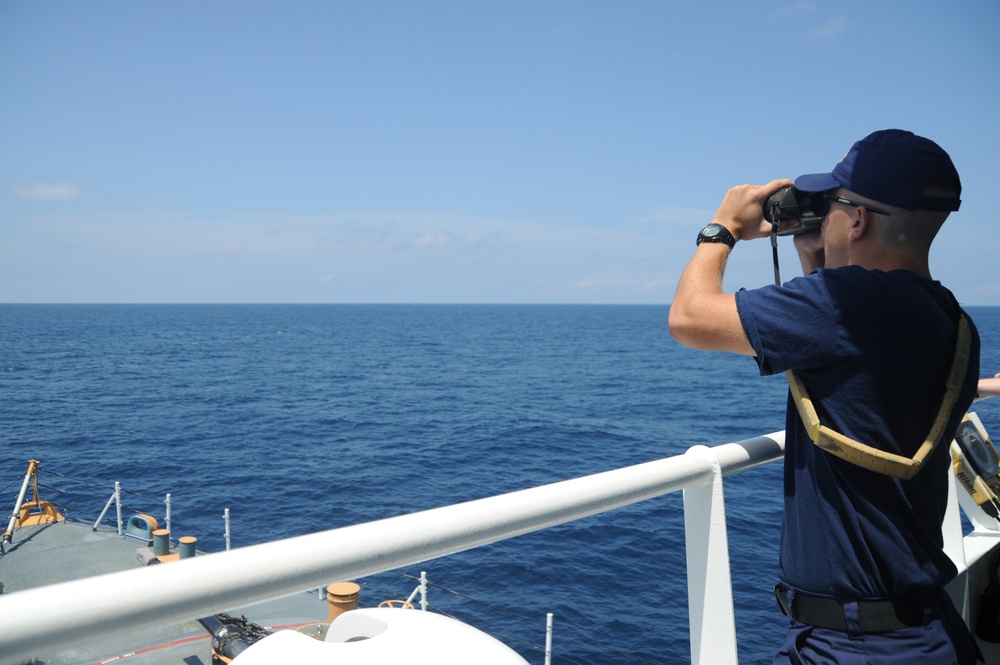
(860, 223)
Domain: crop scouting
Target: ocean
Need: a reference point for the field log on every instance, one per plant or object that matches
(300, 418)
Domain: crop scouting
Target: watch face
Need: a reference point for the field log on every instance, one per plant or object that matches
(711, 230)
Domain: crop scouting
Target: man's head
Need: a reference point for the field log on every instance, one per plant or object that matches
(895, 191)
(894, 167)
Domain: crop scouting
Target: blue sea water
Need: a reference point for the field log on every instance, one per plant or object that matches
(300, 418)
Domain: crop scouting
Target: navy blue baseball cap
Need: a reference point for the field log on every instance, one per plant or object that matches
(891, 166)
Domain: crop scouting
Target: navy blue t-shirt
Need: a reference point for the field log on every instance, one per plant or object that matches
(874, 349)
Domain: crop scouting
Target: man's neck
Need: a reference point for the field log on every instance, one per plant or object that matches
(886, 260)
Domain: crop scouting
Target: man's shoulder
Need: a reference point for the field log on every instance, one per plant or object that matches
(861, 283)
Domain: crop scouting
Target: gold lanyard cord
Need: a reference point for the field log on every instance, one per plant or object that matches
(873, 459)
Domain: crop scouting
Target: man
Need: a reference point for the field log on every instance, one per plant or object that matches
(872, 339)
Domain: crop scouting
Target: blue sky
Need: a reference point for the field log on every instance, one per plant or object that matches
(457, 152)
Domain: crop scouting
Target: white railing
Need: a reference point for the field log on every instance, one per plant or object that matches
(219, 582)
(204, 585)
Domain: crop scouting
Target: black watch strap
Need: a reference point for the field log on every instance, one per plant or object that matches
(717, 233)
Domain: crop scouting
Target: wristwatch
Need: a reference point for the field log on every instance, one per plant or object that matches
(716, 233)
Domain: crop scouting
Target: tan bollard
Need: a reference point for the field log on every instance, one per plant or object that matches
(186, 547)
(161, 542)
(343, 597)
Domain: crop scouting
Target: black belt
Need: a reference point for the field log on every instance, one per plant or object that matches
(875, 616)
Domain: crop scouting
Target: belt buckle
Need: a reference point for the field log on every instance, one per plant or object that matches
(781, 595)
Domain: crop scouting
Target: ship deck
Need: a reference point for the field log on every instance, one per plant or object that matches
(51, 553)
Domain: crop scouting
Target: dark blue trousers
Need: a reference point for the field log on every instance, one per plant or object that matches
(944, 639)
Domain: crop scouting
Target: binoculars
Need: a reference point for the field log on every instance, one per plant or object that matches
(789, 203)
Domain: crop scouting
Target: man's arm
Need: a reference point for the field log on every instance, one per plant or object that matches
(701, 315)
(989, 387)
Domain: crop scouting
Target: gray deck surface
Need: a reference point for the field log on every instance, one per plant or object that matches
(53, 553)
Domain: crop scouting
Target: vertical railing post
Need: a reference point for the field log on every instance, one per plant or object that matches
(548, 638)
(419, 590)
(954, 543)
(118, 502)
(225, 516)
(710, 587)
(167, 502)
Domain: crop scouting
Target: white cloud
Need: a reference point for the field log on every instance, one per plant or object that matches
(623, 280)
(431, 240)
(363, 257)
(798, 9)
(44, 190)
(834, 27)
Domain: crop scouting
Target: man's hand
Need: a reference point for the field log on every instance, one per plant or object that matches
(811, 252)
(701, 315)
(742, 212)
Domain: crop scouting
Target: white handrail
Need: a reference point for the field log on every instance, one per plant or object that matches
(204, 585)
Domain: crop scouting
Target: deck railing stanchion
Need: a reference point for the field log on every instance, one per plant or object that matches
(32, 466)
(548, 638)
(710, 588)
(225, 516)
(118, 502)
(116, 498)
(104, 512)
(167, 501)
(419, 590)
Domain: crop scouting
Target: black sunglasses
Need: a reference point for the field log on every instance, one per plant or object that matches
(822, 206)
